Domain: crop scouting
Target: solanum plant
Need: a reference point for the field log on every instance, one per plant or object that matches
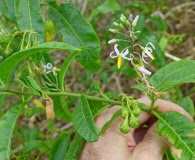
(28, 71)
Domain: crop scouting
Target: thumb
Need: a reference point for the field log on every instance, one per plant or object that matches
(152, 145)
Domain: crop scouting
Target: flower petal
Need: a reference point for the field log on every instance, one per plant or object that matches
(149, 54)
(143, 55)
(125, 53)
(149, 49)
(116, 49)
(149, 43)
(144, 71)
(113, 56)
(111, 41)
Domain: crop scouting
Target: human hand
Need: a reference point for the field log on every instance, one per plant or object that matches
(138, 144)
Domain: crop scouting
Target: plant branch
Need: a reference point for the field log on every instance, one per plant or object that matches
(106, 100)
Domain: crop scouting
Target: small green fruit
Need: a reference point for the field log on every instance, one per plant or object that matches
(28, 112)
(136, 111)
(134, 122)
(124, 128)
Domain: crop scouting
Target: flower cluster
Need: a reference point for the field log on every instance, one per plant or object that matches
(127, 29)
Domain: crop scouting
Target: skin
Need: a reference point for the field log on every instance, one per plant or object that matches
(142, 143)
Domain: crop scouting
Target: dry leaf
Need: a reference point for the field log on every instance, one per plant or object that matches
(176, 151)
(49, 108)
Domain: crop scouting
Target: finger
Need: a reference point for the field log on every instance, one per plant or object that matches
(106, 115)
(112, 144)
(165, 106)
(152, 145)
(132, 138)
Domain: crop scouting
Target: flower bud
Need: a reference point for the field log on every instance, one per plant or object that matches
(130, 19)
(127, 23)
(112, 41)
(121, 26)
(115, 24)
(135, 21)
(113, 30)
(123, 18)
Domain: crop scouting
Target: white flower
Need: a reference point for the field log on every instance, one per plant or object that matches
(112, 41)
(49, 68)
(135, 21)
(144, 71)
(119, 55)
(147, 52)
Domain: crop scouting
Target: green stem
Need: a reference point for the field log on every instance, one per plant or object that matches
(132, 49)
(145, 108)
(153, 100)
(65, 94)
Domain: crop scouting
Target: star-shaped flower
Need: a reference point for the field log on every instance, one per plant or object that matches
(49, 68)
(120, 55)
(147, 52)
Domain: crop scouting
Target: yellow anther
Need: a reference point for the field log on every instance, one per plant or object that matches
(57, 69)
(119, 61)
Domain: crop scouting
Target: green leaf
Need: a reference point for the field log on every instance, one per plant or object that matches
(7, 66)
(33, 145)
(105, 7)
(163, 44)
(106, 125)
(173, 74)
(5, 38)
(61, 109)
(32, 84)
(7, 124)
(28, 16)
(7, 9)
(2, 101)
(95, 106)
(179, 131)
(75, 30)
(64, 69)
(104, 77)
(83, 121)
(75, 148)
(187, 104)
(31, 134)
(140, 87)
(160, 24)
(94, 87)
(60, 147)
